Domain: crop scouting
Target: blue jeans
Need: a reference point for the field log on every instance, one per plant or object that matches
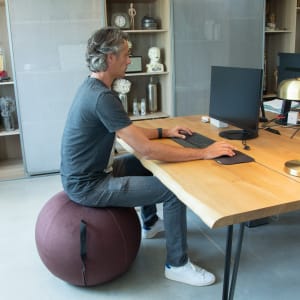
(130, 185)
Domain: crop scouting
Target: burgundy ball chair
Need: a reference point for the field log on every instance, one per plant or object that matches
(86, 246)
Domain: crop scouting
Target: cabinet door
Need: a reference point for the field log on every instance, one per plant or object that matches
(48, 41)
(206, 33)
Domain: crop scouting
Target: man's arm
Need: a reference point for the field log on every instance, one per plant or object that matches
(140, 141)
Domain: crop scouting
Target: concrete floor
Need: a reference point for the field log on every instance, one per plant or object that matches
(269, 269)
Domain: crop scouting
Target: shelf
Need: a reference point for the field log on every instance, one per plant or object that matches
(149, 116)
(146, 31)
(269, 96)
(136, 1)
(7, 83)
(278, 31)
(8, 133)
(146, 74)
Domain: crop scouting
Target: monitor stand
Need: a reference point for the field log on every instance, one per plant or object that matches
(238, 134)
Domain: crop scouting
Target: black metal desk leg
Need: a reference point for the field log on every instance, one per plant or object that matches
(226, 295)
(237, 260)
(227, 262)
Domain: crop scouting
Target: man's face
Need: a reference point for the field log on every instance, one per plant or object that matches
(120, 61)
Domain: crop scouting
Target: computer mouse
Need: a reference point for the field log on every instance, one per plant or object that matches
(236, 152)
(185, 133)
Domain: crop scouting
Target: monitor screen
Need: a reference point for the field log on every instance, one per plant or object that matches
(288, 66)
(235, 98)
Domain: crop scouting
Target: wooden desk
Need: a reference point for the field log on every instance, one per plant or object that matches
(233, 194)
(223, 195)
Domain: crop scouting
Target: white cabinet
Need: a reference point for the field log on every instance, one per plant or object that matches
(142, 39)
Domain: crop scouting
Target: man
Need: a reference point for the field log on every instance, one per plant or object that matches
(91, 175)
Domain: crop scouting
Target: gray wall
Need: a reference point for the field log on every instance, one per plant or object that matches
(212, 32)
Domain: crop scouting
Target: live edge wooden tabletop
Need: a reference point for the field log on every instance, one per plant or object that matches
(223, 195)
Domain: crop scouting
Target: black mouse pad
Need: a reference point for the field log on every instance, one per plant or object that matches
(238, 158)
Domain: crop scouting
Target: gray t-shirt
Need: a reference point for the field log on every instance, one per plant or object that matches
(94, 117)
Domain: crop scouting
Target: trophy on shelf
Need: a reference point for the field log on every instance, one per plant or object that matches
(154, 65)
(122, 87)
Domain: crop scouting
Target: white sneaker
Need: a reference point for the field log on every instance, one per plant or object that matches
(190, 274)
(152, 231)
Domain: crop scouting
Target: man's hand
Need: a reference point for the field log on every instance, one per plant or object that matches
(179, 132)
(218, 149)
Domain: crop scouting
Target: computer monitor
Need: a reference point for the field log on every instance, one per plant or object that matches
(235, 98)
(288, 66)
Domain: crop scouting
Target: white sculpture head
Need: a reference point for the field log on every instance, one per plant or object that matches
(154, 54)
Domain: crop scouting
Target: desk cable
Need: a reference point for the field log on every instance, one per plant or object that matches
(278, 117)
(245, 145)
(266, 124)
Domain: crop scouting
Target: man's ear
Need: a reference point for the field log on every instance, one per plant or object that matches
(109, 58)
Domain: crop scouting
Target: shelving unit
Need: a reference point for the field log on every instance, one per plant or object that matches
(142, 40)
(298, 28)
(11, 163)
(280, 39)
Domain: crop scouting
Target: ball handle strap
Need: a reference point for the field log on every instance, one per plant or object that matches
(83, 250)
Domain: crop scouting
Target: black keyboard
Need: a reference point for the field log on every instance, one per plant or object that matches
(198, 140)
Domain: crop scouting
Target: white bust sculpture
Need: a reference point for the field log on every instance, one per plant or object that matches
(122, 87)
(154, 64)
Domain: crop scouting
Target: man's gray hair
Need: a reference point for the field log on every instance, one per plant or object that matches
(100, 44)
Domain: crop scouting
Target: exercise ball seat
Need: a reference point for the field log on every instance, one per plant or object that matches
(86, 246)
